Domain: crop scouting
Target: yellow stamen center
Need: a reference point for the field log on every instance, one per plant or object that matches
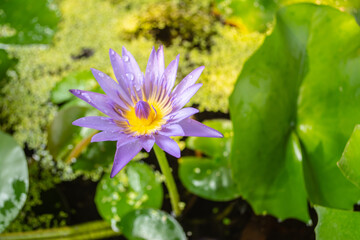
(143, 118)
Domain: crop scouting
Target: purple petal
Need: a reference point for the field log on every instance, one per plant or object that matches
(152, 72)
(168, 145)
(160, 60)
(98, 101)
(124, 140)
(172, 130)
(180, 101)
(107, 136)
(118, 68)
(147, 142)
(169, 77)
(188, 81)
(112, 89)
(123, 155)
(131, 67)
(96, 122)
(197, 129)
(181, 114)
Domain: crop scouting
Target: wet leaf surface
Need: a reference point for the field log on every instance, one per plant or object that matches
(149, 224)
(132, 188)
(210, 177)
(14, 179)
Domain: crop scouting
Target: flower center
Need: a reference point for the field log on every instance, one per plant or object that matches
(142, 109)
(144, 118)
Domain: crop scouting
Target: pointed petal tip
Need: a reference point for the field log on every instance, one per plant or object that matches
(123, 50)
(217, 134)
(113, 173)
(76, 122)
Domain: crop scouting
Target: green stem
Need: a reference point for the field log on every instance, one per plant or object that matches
(169, 180)
(90, 230)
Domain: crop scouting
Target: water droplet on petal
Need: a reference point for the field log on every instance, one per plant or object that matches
(130, 76)
(86, 96)
(100, 74)
(190, 76)
(126, 58)
(112, 52)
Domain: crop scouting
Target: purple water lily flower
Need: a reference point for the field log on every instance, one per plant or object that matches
(143, 109)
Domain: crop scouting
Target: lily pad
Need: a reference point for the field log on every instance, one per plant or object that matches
(134, 187)
(14, 179)
(335, 224)
(149, 224)
(27, 22)
(297, 88)
(349, 163)
(210, 177)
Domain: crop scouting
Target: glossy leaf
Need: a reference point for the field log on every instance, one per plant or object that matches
(207, 179)
(14, 179)
(134, 187)
(297, 88)
(349, 163)
(26, 22)
(335, 224)
(149, 224)
(210, 177)
(77, 80)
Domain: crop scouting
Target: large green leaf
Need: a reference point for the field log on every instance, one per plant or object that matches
(14, 179)
(335, 224)
(134, 187)
(349, 163)
(297, 85)
(25, 22)
(149, 224)
(210, 177)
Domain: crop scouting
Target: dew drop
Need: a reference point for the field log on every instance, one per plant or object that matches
(190, 76)
(197, 170)
(86, 96)
(101, 74)
(130, 76)
(126, 58)
(112, 52)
